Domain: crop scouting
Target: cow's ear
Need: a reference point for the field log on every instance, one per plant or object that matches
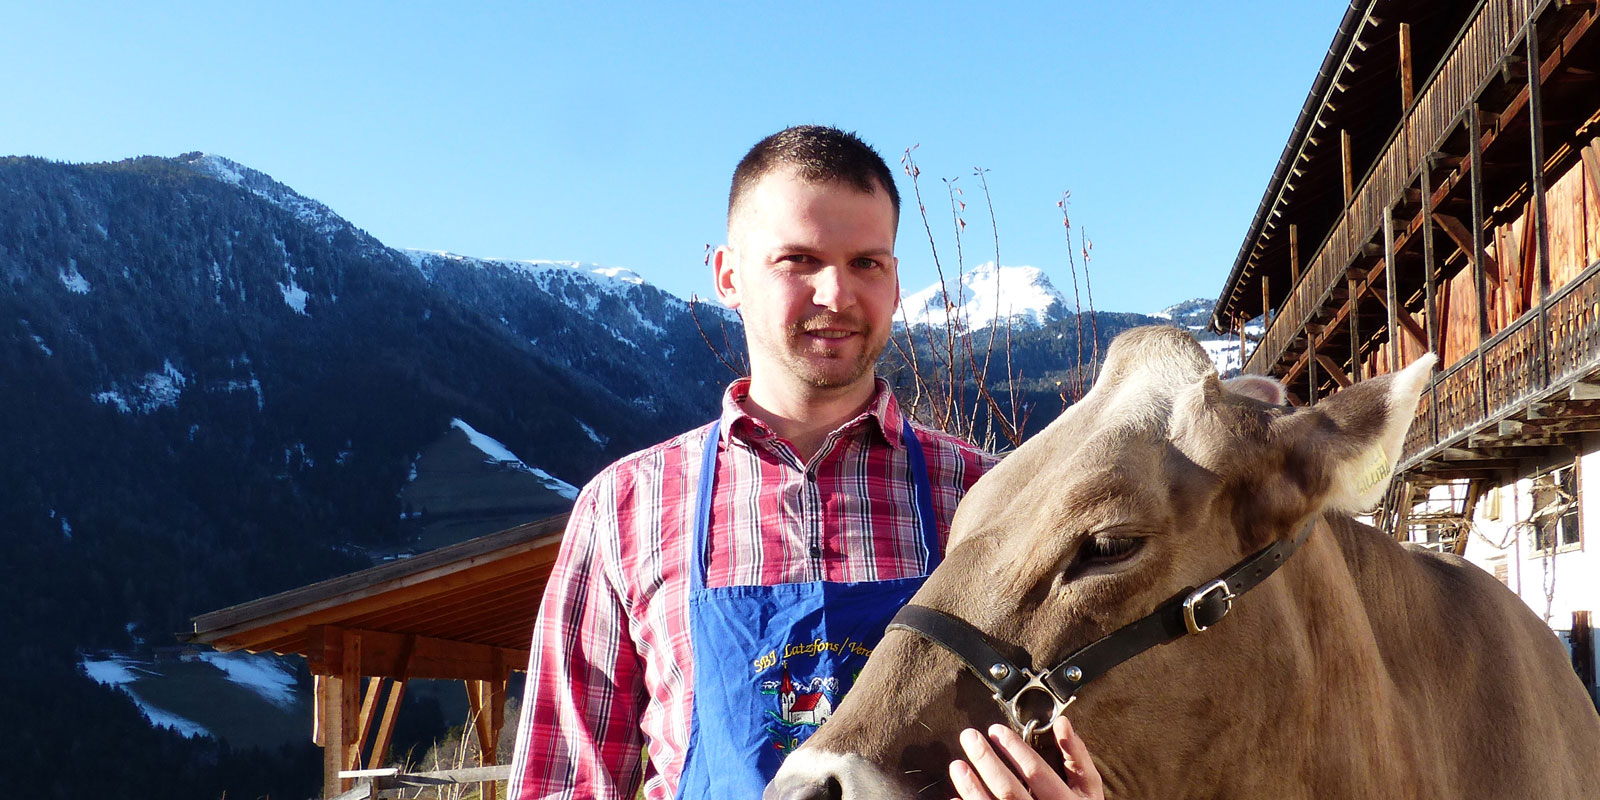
(1346, 447)
(1259, 387)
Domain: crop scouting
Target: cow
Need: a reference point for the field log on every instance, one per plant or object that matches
(1354, 667)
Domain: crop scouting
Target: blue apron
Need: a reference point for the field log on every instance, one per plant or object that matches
(772, 662)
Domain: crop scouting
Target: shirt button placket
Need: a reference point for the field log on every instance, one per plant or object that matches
(812, 505)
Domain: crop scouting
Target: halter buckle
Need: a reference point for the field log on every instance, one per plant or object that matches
(1205, 594)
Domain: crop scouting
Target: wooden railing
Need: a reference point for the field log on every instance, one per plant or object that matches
(1460, 401)
(1448, 92)
(1516, 368)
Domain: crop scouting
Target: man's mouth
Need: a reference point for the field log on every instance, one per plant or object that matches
(830, 333)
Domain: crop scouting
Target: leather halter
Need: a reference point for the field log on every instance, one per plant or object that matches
(1192, 610)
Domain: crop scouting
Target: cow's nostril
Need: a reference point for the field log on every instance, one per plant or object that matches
(797, 788)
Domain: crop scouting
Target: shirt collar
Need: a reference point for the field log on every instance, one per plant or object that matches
(882, 413)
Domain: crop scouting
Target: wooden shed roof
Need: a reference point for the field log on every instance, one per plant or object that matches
(481, 592)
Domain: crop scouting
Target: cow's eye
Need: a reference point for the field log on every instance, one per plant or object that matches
(1101, 550)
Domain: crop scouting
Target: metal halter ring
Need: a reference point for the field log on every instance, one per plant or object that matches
(1031, 729)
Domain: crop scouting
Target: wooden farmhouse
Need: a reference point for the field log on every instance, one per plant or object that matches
(1439, 193)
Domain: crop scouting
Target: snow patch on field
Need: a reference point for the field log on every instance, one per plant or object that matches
(265, 676)
(121, 672)
(502, 455)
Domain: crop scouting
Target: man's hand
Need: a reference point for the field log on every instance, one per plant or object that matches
(1021, 773)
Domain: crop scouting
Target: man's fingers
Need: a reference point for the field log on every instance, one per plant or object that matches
(991, 768)
(967, 783)
(1024, 759)
(1081, 773)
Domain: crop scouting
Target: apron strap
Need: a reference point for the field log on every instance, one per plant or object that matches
(702, 507)
(933, 554)
(921, 485)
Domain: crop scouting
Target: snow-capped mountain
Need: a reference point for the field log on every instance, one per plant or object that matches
(985, 294)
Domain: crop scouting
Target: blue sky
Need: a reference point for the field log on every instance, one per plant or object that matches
(606, 132)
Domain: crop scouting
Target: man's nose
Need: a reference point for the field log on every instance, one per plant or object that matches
(830, 289)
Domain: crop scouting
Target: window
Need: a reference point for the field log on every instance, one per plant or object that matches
(1555, 511)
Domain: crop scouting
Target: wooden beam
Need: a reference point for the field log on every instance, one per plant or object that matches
(1480, 265)
(1266, 300)
(1538, 213)
(1430, 308)
(1334, 370)
(1390, 302)
(1349, 167)
(1458, 233)
(385, 737)
(1294, 255)
(1405, 320)
(1572, 409)
(1407, 95)
(369, 715)
(385, 654)
(1353, 322)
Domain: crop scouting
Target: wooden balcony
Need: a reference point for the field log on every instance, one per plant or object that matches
(1479, 55)
(1520, 388)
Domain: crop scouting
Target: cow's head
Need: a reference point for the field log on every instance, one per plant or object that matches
(1160, 479)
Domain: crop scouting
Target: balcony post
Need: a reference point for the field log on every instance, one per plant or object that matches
(1390, 293)
(1480, 276)
(1430, 311)
(1536, 208)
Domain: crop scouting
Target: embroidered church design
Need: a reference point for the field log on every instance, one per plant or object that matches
(811, 708)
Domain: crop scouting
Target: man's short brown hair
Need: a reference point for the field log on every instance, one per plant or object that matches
(820, 154)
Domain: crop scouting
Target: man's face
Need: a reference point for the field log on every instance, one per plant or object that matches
(811, 268)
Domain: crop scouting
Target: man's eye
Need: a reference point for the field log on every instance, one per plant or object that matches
(868, 263)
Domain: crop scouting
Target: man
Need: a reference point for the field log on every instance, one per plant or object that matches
(716, 594)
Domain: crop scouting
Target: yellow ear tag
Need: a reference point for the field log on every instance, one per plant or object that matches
(1374, 471)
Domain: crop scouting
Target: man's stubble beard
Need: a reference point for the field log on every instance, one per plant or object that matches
(829, 374)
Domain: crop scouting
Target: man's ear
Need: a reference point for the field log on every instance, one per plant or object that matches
(1344, 449)
(897, 283)
(724, 273)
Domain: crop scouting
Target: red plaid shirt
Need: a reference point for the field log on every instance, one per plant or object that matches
(611, 666)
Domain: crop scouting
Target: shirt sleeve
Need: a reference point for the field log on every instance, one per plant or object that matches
(579, 731)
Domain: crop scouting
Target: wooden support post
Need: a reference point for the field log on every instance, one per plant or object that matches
(1537, 209)
(1349, 168)
(1294, 256)
(1266, 300)
(337, 707)
(1353, 321)
(1430, 308)
(1311, 368)
(1389, 289)
(1407, 94)
(486, 702)
(1480, 258)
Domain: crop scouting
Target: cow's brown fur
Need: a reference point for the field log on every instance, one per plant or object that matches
(1362, 669)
